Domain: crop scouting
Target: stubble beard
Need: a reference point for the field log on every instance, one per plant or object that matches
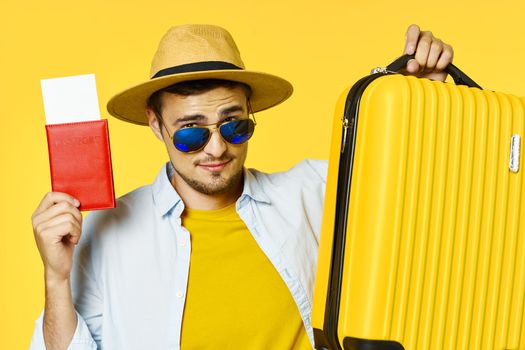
(218, 184)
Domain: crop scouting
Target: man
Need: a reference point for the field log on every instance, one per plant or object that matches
(128, 282)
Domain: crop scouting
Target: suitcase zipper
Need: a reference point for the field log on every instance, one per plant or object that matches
(382, 70)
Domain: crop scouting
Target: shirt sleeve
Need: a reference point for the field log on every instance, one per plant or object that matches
(82, 339)
(86, 288)
(317, 167)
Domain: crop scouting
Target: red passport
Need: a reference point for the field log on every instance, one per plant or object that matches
(80, 162)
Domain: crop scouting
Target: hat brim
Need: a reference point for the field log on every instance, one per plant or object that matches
(267, 91)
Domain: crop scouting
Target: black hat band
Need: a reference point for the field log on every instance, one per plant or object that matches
(195, 67)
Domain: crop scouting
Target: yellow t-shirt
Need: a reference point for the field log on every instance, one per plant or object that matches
(236, 298)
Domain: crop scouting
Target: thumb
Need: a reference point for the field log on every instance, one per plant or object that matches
(413, 67)
(71, 238)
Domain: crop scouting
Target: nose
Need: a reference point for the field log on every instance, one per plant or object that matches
(216, 146)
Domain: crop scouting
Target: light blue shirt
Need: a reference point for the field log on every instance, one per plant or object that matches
(131, 266)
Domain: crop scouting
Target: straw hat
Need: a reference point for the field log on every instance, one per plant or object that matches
(193, 52)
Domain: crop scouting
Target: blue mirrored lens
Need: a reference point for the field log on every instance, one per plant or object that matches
(237, 131)
(190, 139)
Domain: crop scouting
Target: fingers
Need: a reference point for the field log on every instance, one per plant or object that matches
(52, 198)
(59, 220)
(57, 226)
(56, 217)
(60, 210)
(436, 48)
(411, 39)
(431, 55)
(446, 57)
(423, 49)
(56, 209)
(60, 227)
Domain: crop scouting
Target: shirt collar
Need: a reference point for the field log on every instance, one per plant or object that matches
(164, 195)
(167, 199)
(252, 188)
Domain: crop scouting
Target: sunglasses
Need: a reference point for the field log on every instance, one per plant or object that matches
(193, 139)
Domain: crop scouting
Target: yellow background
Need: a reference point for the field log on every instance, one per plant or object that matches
(321, 47)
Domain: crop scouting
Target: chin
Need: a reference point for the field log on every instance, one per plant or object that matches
(214, 183)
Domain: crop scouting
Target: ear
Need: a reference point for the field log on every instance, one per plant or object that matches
(154, 124)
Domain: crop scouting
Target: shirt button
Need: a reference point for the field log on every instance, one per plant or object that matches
(180, 294)
(182, 242)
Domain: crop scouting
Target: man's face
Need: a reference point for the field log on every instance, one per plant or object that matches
(216, 169)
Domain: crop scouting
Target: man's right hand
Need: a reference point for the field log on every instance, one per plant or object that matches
(57, 225)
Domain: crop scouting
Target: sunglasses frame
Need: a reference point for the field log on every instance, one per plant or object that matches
(212, 127)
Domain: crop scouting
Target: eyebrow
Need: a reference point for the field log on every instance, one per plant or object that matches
(190, 118)
(201, 117)
(231, 109)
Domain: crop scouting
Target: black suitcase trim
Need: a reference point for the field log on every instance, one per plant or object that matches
(350, 343)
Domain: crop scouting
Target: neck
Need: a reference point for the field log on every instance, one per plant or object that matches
(194, 199)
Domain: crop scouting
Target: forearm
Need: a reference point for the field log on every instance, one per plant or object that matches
(60, 319)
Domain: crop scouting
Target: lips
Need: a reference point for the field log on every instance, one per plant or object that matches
(214, 167)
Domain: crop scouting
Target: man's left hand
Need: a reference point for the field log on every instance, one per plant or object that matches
(432, 54)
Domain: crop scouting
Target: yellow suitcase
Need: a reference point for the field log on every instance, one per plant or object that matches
(423, 237)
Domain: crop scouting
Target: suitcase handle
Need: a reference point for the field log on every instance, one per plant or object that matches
(459, 77)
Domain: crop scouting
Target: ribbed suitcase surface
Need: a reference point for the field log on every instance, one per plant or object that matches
(434, 254)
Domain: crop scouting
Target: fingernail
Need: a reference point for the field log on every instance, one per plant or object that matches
(76, 202)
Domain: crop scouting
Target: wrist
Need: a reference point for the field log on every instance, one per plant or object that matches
(52, 279)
